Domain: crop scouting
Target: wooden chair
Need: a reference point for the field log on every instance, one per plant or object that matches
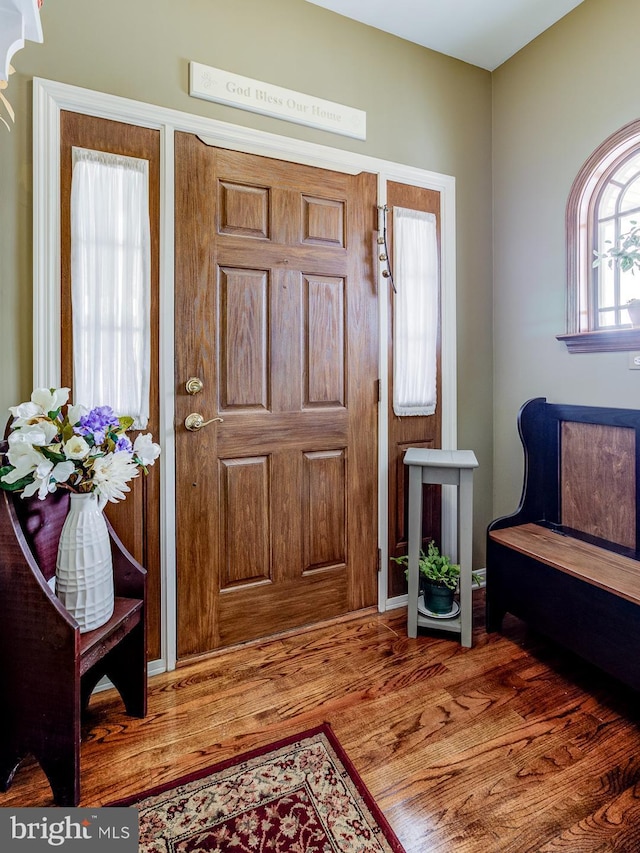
(48, 669)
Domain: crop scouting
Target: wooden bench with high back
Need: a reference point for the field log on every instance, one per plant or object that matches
(567, 561)
(48, 668)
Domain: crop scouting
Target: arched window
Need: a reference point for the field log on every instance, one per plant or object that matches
(603, 204)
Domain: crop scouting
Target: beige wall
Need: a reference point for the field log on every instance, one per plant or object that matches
(423, 109)
(553, 104)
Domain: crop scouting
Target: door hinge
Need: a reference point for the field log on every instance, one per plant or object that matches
(377, 390)
(379, 559)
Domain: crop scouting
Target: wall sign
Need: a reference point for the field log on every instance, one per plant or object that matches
(213, 84)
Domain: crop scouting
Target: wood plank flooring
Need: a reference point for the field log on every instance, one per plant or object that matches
(512, 746)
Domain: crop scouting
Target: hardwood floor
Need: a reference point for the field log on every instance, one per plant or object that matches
(511, 746)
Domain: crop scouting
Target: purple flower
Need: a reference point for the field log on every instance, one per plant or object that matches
(96, 423)
(123, 443)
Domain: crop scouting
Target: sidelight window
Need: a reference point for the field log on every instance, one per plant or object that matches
(416, 307)
(110, 282)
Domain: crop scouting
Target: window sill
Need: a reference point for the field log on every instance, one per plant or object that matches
(606, 340)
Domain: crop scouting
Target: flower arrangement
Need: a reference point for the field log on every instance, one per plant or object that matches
(54, 445)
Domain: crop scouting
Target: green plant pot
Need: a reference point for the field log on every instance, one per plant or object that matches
(437, 599)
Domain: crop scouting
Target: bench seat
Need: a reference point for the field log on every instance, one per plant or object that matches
(601, 567)
(567, 561)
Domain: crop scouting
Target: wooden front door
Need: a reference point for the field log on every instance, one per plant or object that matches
(276, 315)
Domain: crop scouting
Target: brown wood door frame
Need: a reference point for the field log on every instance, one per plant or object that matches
(50, 97)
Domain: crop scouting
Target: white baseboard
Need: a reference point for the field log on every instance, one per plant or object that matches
(154, 667)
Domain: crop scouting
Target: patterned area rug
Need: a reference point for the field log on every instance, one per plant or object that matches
(300, 795)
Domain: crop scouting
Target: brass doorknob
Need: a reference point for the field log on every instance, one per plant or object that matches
(195, 421)
(194, 385)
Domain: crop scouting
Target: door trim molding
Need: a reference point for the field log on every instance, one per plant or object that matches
(49, 98)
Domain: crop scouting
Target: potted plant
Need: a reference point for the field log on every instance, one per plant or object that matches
(438, 578)
(626, 255)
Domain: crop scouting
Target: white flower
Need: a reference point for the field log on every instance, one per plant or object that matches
(40, 434)
(74, 413)
(111, 473)
(25, 459)
(50, 401)
(76, 448)
(42, 402)
(62, 471)
(146, 450)
(24, 412)
(46, 477)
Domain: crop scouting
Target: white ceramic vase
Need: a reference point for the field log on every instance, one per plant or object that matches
(84, 569)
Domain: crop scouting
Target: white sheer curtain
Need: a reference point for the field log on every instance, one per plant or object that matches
(415, 328)
(110, 282)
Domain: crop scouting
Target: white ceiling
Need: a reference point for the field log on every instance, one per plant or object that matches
(481, 32)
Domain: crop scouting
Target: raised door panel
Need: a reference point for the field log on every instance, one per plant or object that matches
(323, 221)
(245, 521)
(325, 492)
(244, 210)
(244, 339)
(325, 355)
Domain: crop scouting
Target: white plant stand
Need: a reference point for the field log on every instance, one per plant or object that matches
(451, 468)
